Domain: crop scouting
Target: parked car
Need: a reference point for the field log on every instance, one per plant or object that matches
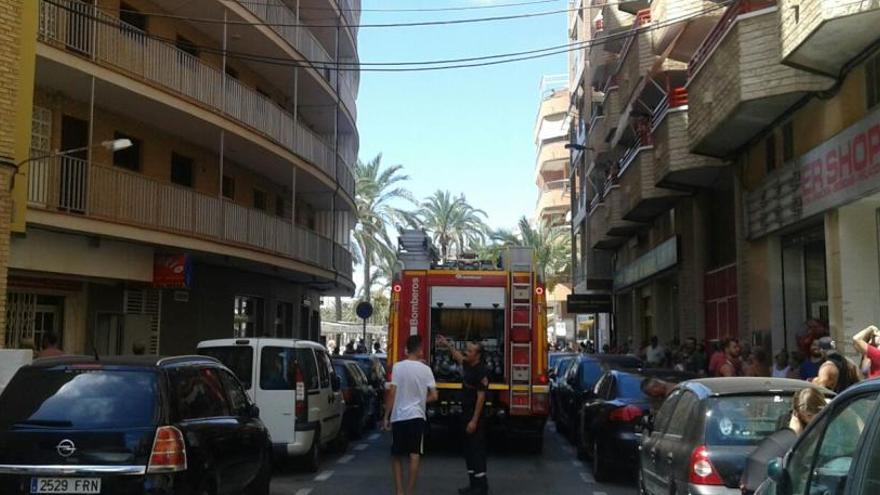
(293, 383)
(556, 375)
(577, 386)
(701, 437)
(131, 425)
(374, 369)
(554, 357)
(361, 400)
(610, 422)
(838, 453)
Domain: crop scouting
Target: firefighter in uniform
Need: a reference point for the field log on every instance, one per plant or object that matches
(475, 382)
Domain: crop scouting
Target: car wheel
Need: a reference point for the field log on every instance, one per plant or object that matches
(600, 466)
(261, 485)
(312, 459)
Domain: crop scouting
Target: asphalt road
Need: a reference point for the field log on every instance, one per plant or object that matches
(364, 469)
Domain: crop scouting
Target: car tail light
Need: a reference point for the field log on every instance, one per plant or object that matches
(701, 471)
(169, 451)
(542, 379)
(301, 404)
(625, 414)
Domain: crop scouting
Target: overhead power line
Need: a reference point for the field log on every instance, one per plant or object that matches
(470, 62)
(427, 9)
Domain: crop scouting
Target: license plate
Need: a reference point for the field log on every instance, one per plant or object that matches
(66, 485)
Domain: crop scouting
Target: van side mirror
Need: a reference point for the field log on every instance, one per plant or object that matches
(254, 411)
(335, 382)
(775, 471)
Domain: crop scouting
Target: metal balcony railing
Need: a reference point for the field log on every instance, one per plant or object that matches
(677, 98)
(720, 30)
(104, 39)
(644, 139)
(70, 185)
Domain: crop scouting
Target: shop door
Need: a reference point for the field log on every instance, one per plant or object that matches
(108, 334)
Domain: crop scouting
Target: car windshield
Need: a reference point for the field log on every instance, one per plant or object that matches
(239, 359)
(80, 399)
(745, 420)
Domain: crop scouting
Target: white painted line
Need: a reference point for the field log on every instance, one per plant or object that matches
(361, 446)
(588, 478)
(375, 436)
(345, 459)
(324, 476)
(304, 491)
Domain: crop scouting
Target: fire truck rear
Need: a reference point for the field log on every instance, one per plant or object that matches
(501, 306)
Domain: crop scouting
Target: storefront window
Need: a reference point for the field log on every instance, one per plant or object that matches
(247, 317)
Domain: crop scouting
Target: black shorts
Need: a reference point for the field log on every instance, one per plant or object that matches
(408, 437)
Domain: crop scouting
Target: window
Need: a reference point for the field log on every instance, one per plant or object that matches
(684, 414)
(259, 200)
(604, 386)
(787, 142)
(199, 393)
(186, 46)
(341, 371)
(228, 187)
(277, 369)
(280, 208)
(744, 420)
(41, 131)
(305, 359)
(239, 359)
(838, 447)
(129, 158)
(238, 399)
(181, 170)
(248, 317)
(283, 320)
(770, 153)
(800, 460)
(324, 368)
(871, 483)
(872, 81)
(132, 16)
(661, 421)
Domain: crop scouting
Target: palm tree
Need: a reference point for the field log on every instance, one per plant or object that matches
(452, 222)
(377, 189)
(550, 244)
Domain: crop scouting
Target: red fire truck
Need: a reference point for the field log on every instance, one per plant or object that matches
(501, 305)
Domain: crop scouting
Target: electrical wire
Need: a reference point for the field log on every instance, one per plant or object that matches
(487, 60)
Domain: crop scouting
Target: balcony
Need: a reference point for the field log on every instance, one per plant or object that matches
(680, 38)
(614, 22)
(608, 228)
(613, 107)
(637, 56)
(634, 6)
(644, 200)
(555, 195)
(74, 189)
(552, 158)
(823, 35)
(107, 41)
(674, 165)
(737, 83)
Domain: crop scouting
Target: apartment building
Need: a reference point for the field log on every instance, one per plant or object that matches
(707, 212)
(188, 171)
(552, 170)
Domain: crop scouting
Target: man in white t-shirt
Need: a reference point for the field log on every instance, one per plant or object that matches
(412, 387)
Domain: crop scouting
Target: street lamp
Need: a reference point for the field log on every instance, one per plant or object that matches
(112, 145)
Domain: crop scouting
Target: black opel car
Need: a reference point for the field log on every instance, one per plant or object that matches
(361, 401)
(131, 425)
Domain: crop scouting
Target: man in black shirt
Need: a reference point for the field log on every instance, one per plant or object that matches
(474, 385)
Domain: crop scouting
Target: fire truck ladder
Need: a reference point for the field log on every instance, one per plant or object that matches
(521, 295)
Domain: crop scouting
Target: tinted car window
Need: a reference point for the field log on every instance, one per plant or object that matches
(666, 410)
(239, 359)
(199, 393)
(324, 368)
(871, 483)
(84, 398)
(801, 458)
(305, 359)
(683, 413)
(744, 420)
(277, 368)
(358, 376)
(563, 366)
(238, 399)
(342, 373)
(590, 373)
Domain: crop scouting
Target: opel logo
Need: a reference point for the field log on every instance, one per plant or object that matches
(65, 448)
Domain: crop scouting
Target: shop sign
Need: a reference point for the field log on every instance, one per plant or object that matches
(172, 271)
(842, 169)
(658, 259)
(588, 303)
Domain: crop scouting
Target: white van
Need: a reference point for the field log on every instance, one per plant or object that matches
(295, 387)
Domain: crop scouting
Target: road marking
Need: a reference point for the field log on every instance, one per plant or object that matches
(304, 491)
(324, 476)
(345, 459)
(375, 436)
(599, 493)
(576, 463)
(361, 446)
(588, 478)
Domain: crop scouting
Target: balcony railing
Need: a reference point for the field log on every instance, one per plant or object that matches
(105, 39)
(642, 19)
(644, 140)
(70, 185)
(677, 98)
(720, 30)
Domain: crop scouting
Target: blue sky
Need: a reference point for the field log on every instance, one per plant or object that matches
(466, 130)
